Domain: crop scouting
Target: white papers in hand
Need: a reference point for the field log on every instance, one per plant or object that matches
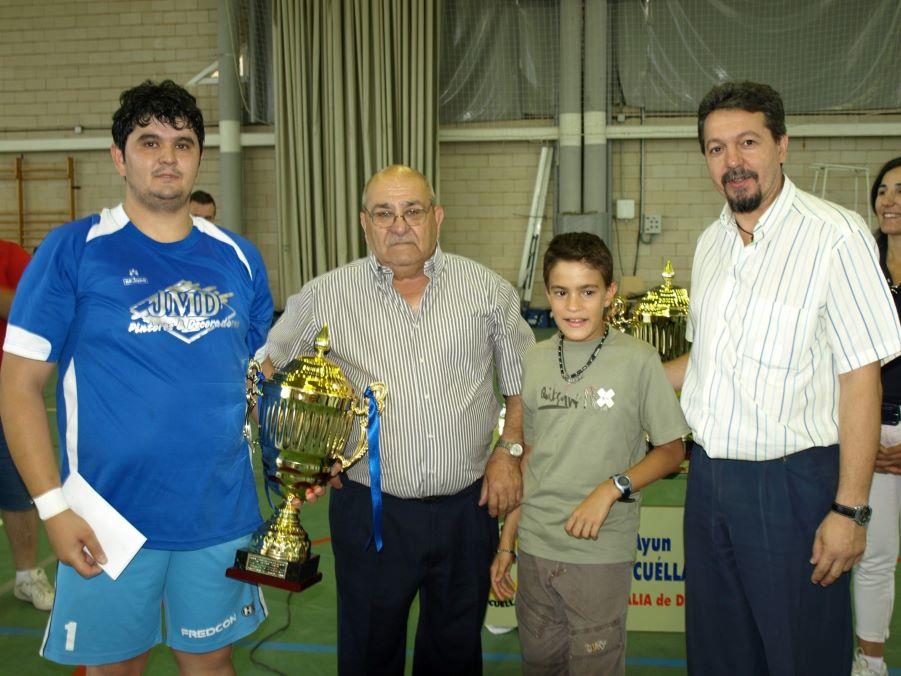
(119, 539)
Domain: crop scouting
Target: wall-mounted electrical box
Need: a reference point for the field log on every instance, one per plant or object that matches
(625, 209)
(652, 225)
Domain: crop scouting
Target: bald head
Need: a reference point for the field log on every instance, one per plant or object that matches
(401, 220)
(397, 171)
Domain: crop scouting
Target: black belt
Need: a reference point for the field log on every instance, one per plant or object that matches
(430, 499)
(891, 414)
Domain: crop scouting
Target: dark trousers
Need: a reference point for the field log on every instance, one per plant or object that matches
(442, 550)
(750, 607)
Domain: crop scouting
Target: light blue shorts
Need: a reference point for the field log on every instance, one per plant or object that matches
(101, 621)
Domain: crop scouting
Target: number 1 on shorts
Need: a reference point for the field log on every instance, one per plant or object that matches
(70, 635)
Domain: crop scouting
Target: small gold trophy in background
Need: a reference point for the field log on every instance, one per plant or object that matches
(660, 317)
(306, 415)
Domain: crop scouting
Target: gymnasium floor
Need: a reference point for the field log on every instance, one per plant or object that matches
(308, 644)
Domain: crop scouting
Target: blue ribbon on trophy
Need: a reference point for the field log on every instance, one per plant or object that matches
(375, 468)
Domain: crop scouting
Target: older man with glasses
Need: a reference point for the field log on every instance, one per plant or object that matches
(436, 328)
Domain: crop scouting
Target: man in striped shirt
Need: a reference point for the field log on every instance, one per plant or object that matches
(790, 318)
(436, 328)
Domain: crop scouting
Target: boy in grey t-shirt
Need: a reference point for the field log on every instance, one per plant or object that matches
(590, 395)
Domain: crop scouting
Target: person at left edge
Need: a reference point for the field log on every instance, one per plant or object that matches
(150, 317)
(20, 518)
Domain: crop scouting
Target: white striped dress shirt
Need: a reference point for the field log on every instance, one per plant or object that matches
(774, 323)
(438, 362)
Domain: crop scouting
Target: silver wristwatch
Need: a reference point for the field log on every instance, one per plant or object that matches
(624, 484)
(514, 448)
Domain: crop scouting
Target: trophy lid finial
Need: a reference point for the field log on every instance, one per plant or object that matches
(322, 342)
(315, 375)
(665, 300)
(668, 272)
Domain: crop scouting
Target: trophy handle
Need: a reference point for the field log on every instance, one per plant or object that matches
(254, 390)
(617, 307)
(379, 392)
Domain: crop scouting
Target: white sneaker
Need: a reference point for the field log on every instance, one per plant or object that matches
(861, 667)
(36, 589)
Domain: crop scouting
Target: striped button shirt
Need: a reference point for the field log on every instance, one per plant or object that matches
(772, 324)
(438, 362)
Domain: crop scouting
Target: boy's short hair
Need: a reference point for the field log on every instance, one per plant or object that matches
(751, 97)
(581, 247)
(165, 102)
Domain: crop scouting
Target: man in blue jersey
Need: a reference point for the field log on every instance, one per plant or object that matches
(150, 317)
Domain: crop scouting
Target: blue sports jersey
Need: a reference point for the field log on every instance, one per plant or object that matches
(152, 342)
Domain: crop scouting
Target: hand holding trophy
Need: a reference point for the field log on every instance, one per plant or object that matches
(306, 414)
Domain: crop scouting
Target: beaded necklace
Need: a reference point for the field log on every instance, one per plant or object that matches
(577, 376)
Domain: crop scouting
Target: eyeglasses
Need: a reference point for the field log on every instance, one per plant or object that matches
(412, 216)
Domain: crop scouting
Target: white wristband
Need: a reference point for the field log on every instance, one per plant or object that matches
(51, 503)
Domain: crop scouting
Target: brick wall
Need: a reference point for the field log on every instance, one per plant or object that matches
(486, 189)
(64, 63)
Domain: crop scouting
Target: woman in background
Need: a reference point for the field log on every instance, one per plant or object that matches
(874, 576)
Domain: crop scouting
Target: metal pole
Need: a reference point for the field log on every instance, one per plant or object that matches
(20, 198)
(70, 174)
(596, 199)
(569, 177)
(230, 207)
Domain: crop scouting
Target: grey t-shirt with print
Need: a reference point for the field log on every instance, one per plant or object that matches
(582, 433)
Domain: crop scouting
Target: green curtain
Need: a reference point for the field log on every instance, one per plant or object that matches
(355, 90)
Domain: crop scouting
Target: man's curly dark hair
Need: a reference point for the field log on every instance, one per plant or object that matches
(165, 102)
(748, 96)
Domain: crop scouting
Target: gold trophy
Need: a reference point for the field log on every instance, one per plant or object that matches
(659, 318)
(306, 415)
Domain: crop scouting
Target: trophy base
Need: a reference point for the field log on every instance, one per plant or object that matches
(291, 575)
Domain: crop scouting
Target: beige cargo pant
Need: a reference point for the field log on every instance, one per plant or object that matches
(572, 617)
